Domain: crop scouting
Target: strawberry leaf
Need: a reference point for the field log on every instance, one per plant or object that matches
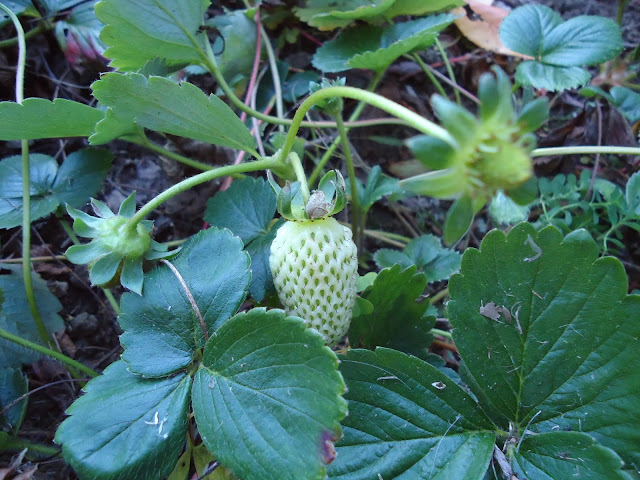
(331, 14)
(270, 384)
(80, 176)
(395, 430)
(13, 385)
(126, 427)
(40, 118)
(376, 48)
(159, 104)
(247, 209)
(397, 320)
(137, 31)
(549, 336)
(161, 329)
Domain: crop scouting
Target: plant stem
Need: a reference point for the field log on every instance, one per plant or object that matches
(576, 150)
(439, 296)
(26, 188)
(413, 119)
(273, 66)
(41, 27)
(191, 182)
(416, 58)
(48, 352)
(300, 176)
(447, 64)
(355, 201)
(15, 443)
(442, 333)
(354, 116)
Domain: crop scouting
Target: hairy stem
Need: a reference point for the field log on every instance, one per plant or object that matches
(355, 201)
(576, 150)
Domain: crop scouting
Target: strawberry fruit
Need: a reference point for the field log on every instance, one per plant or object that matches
(314, 259)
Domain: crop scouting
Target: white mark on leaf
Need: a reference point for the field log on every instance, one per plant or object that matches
(439, 385)
(536, 249)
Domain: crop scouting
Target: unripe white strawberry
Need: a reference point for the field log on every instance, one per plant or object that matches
(315, 271)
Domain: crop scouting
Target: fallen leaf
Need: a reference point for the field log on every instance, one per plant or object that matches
(480, 23)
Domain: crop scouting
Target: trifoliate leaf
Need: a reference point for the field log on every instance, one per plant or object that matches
(80, 176)
(161, 329)
(398, 320)
(126, 427)
(426, 253)
(159, 104)
(40, 118)
(247, 209)
(550, 337)
(395, 430)
(138, 31)
(376, 48)
(270, 384)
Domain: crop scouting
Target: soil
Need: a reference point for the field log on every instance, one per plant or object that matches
(91, 333)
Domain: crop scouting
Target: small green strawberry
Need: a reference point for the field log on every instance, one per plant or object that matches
(314, 260)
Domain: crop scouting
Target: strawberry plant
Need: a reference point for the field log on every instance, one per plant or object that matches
(280, 341)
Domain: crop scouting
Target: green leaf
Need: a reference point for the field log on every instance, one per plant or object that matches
(632, 193)
(549, 335)
(505, 211)
(411, 7)
(159, 104)
(13, 385)
(40, 118)
(432, 152)
(378, 186)
(550, 77)
(628, 102)
(330, 14)
(138, 31)
(566, 455)
(16, 318)
(398, 320)
(80, 176)
(18, 7)
(427, 254)
(376, 48)
(239, 46)
(126, 427)
(583, 40)
(161, 329)
(247, 209)
(459, 219)
(270, 384)
(395, 430)
(525, 27)
(113, 126)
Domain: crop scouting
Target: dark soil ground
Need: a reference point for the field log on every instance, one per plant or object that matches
(91, 334)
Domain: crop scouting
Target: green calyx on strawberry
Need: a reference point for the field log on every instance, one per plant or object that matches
(313, 258)
(116, 252)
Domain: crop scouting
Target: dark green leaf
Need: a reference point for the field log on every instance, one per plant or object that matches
(376, 48)
(16, 318)
(80, 176)
(533, 115)
(238, 49)
(13, 385)
(40, 118)
(137, 31)
(550, 77)
(632, 193)
(395, 430)
(111, 127)
(564, 455)
(161, 329)
(378, 186)
(271, 385)
(524, 29)
(583, 40)
(411, 7)
(549, 336)
(397, 320)
(159, 104)
(126, 427)
(387, 258)
(247, 209)
(628, 102)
